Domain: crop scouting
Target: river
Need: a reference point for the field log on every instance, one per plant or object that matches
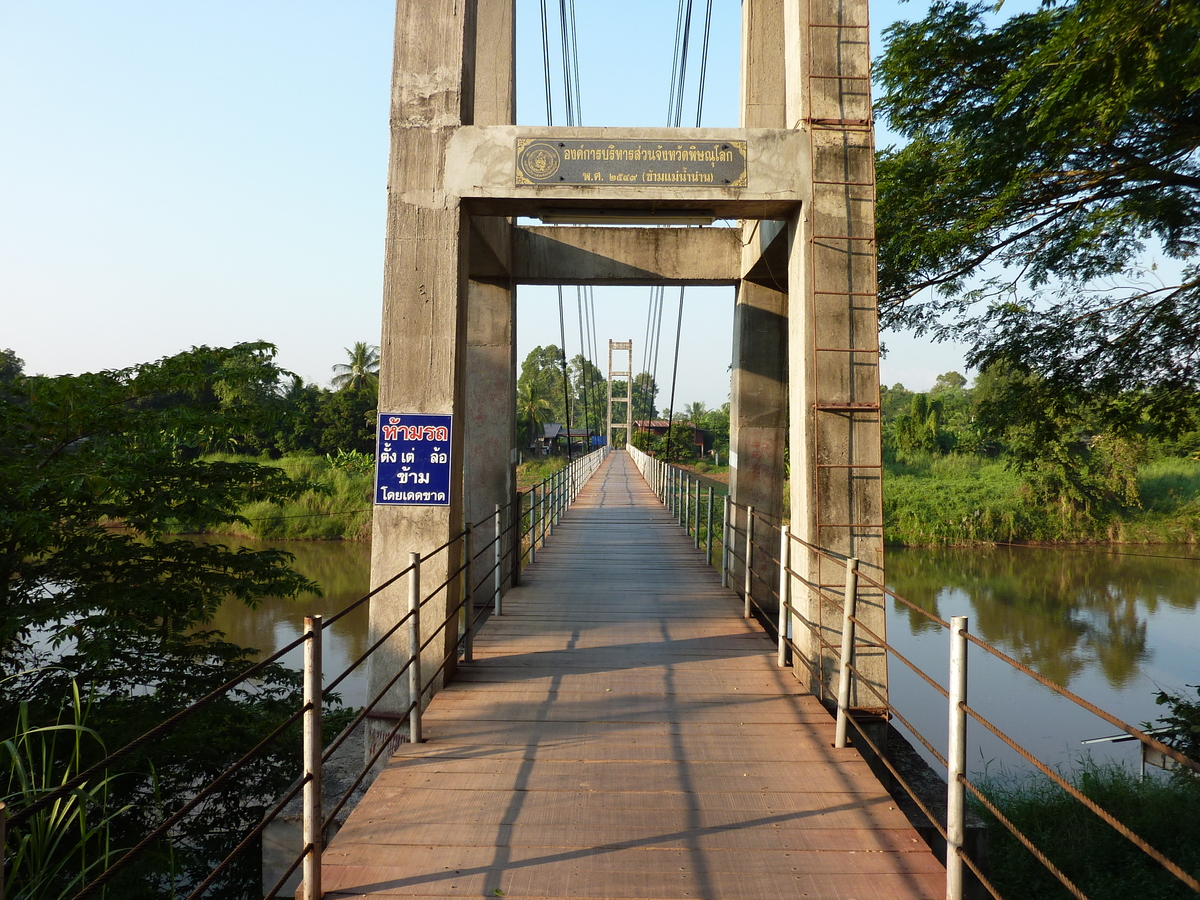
(1113, 625)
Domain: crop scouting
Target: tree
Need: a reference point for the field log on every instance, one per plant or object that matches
(121, 610)
(645, 394)
(543, 370)
(694, 412)
(589, 397)
(1044, 156)
(362, 370)
(532, 410)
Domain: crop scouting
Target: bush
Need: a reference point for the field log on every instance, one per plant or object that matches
(1102, 863)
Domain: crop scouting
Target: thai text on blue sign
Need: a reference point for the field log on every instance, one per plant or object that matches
(412, 460)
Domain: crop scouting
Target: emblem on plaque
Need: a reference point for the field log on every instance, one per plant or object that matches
(539, 161)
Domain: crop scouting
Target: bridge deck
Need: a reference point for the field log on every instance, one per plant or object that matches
(624, 733)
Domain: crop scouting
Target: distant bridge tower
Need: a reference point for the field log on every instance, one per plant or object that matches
(627, 347)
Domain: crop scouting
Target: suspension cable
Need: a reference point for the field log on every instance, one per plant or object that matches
(562, 330)
(674, 372)
(703, 62)
(546, 64)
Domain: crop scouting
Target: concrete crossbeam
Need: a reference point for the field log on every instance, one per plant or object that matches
(556, 254)
(481, 169)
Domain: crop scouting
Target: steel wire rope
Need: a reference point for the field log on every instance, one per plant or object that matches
(138, 849)
(546, 65)
(137, 743)
(1103, 814)
(562, 330)
(674, 375)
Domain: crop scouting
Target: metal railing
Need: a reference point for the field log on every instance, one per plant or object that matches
(517, 527)
(670, 484)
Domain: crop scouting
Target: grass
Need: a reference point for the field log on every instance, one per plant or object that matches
(1102, 863)
(961, 500)
(538, 470)
(337, 508)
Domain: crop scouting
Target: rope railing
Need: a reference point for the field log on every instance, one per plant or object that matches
(744, 546)
(509, 532)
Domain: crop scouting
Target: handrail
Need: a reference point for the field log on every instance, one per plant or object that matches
(559, 490)
(666, 479)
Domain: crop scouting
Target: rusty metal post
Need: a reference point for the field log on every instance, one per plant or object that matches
(749, 558)
(847, 659)
(708, 530)
(697, 508)
(414, 648)
(956, 759)
(496, 554)
(312, 816)
(725, 543)
(469, 594)
(785, 593)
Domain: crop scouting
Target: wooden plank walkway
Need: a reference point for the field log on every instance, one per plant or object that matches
(624, 733)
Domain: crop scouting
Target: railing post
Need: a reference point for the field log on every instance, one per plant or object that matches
(496, 572)
(469, 595)
(725, 543)
(696, 523)
(414, 648)
(313, 817)
(708, 530)
(535, 521)
(956, 758)
(785, 593)
(3, 838)
(849, 606)
(681, 505)
(749, 558)
(515, 519)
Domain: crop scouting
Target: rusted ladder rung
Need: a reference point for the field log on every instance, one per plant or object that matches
(849, 465)
(846, 349)
(840, 237)
(846, 407)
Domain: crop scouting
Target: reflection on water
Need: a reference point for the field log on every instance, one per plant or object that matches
(1113, 625)
(343, 570)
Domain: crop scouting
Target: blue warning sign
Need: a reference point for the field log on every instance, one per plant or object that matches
(412, 460)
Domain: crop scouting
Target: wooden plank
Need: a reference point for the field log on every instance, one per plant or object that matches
(624, 733)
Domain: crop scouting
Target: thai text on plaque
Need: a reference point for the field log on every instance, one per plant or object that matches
(680, 164)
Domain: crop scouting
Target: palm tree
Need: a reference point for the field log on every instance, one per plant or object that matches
(694, 412)
(531, 407)
(361, 371)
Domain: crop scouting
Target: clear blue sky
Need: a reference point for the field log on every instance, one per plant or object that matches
(178, 173)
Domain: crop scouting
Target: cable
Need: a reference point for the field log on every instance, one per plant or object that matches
(562, 330)
(703, 62)
(546, 64)
(674, 372)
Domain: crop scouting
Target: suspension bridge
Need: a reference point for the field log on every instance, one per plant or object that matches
(623, 731)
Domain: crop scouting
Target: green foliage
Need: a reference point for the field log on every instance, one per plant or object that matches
(1104, 864)
(361, 371)
(1044, 155)
(122, 447)
(1184, 720)
(70, 841)
(95, 470)
(335, 506)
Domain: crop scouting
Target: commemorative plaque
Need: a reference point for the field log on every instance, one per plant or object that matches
(676, 164)
(412, 460)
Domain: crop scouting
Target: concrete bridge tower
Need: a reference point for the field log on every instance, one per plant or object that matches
(798, 174)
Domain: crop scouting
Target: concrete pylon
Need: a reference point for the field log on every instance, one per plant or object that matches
(797, 174)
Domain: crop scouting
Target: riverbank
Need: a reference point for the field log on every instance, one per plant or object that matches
(954, 500)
